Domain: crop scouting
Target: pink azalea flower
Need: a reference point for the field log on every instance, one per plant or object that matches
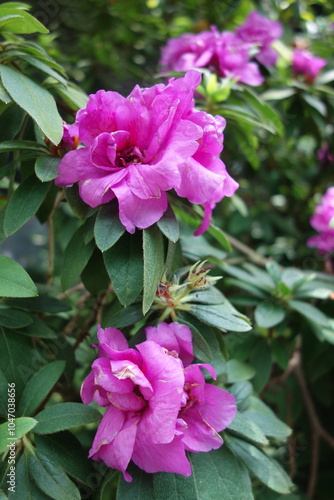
(261, 33)
(138, 148)
(156, 409)
(234, 60)
(320, 221)
(305, 63)
(189, 51)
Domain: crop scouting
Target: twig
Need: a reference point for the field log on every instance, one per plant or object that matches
(254, 257)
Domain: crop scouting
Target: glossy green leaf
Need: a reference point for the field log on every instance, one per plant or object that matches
(261, 361)
(13, 318)
(242, 391)
(169, 226)
(268, 314)
(10, 146)
(238, 371)
(3, 395)
(219, 236)
(216, 316)
(116, 316)
(46, 168)
(154, 261)
(259, 413)
(124, 264)
(4, 96)
(39, 385)
(37, 63)
(246, 429)
(21, 22)
(96, 283)
(51, 478)
(65, 416)
(25, 487)
(108, 228)
(267, 470)
(14, 280)
(37, 328)
(76, 257)
(65, 450)
(24, 203)
(11, 434)
(42, 304)
(309, 311)
(201, 348)
(35, 100)
(79, 207)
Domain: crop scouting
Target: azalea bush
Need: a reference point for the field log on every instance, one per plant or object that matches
(167, 243)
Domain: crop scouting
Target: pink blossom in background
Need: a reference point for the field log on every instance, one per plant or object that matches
(157, 409)
(138, 148)
(234, 60)
(305, 63)
(320, 221)
(261, 32)
(189, 51)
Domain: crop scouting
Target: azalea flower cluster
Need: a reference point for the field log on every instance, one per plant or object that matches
(322, 221)
(305, 63)
(137, 148)
(226, 53)
(158, 405)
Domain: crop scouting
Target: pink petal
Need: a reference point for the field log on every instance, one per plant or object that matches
(166, 376)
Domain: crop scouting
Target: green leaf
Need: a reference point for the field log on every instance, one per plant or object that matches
(325, 77)
(278, 94)
(39, 385)
(216, 474)
(51, 479)
(14, 280)
(25, 487)
(35, 100)
(19, 21)
(72, 95)
(43, 304)
(309, 312)
(267, 470)
(267, 314)
(64, 416)
(4, 96)
(12, 318)
(169, 226)
(17, 355)
(261, 415)
(315, 103)
(261, 361)
(79, 207)
(24, 203)
(38, 328)
(219, 236)
(265, 112)
(245, 428)
(108, 228)
(153, 247)
(216, 316)
(3, 395)
(76, 257)
(10, 146)
(202, 349)
(238, 371)
(22, 425)
(46, 168)
(242, 391)
(96, 283)
(65, 450)
(210, 295)
(37, 63)
(124, 264)
(116, 316)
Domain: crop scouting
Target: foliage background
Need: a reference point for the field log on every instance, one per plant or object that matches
(289, 359)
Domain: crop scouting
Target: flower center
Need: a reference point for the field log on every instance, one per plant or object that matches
(130, 156)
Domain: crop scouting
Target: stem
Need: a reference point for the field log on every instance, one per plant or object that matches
(254, 257)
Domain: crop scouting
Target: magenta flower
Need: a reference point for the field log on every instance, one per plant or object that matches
(305, 63)
(261, 33)
(234, 60)
(139, 147)
(156, 409)
(189, 51)
(321, 220)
